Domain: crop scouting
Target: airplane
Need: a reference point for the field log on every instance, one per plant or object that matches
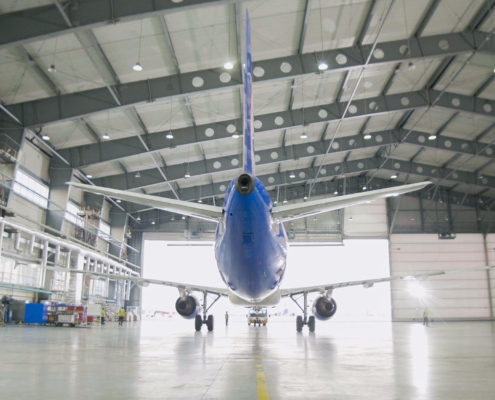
(251, 242)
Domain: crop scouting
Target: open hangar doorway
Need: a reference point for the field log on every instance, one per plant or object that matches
(308, 264)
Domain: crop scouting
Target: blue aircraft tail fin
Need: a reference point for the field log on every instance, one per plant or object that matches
(248, 150)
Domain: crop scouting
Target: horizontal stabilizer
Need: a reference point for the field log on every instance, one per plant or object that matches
(309, 208)
(202, 211)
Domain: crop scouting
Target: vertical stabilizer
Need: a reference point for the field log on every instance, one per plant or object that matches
(248, 150)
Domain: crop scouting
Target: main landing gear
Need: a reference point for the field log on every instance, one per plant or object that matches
(208, 320)
(304, 320)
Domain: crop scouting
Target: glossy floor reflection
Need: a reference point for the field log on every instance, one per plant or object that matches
(166, 359)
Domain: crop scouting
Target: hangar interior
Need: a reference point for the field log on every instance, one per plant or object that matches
(147, 97)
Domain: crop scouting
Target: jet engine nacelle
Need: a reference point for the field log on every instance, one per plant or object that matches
(323, 308)
(187, 307)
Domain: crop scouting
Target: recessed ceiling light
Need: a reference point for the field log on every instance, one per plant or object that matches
(106, 136)
(137, 67)
(45, 137)
(322, 66)
(228, 65)
(432, 137)
(367, 136)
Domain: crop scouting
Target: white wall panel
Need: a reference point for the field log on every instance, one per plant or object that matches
(490, 247)
(35, 161)
(460, 296)
(368, 220)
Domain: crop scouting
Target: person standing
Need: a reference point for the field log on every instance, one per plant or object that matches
(425, 317)
(102, 316)
(121, 315)
(226, 318)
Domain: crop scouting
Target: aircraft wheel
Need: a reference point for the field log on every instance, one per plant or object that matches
(299, 323)
(311, 323)
(209, 322)
(198, 322)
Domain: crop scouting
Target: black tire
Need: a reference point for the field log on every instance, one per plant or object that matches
(299, 323)
(209, 323)
(198, 323)
(311, 323)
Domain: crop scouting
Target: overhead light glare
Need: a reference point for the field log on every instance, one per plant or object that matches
(432, 137)
(137, 67)
(322, 66)
(367, 136)
(228, 65)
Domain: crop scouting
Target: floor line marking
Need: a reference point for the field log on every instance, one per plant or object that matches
(261, 380)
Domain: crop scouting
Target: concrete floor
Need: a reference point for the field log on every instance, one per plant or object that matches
(166, 359)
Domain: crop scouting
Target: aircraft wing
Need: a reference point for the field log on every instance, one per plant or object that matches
(202, 211)
(309, 208)
(144, 281)
(367, 283)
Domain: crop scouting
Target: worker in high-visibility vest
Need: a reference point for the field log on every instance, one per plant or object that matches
(226, 318)
(102, 316)
(425, 317)
(121, 315)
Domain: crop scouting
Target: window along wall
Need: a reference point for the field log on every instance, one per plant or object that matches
(31, 189)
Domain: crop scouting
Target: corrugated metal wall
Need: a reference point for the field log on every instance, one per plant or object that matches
(459, 296)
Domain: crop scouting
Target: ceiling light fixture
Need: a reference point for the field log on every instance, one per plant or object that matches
(137, 67)
(173, 218)
(118, 201)
(275, 202)
(200, 201)
(304, 135)
(394, 176)
(235, 135)
(52, 68)
(305, 197)
(367, 136)
(89, 176)
(138, 218)
(292, 175)
(169, 135)
(152, 222)
(106, 136)
(138, 175)
(322, 66)
(432, 137)
(183, 217)
(364, 188)
(411, 66)
(228, 65)
(336, 192)
(285, 201)
(187, 175)
(45, 137)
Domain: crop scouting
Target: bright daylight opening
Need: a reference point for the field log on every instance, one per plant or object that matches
(311, 264)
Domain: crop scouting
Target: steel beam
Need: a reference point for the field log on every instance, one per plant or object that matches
(485, 11)
(41, 23)
(426, 18)
(366, 23)
(73, 105)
